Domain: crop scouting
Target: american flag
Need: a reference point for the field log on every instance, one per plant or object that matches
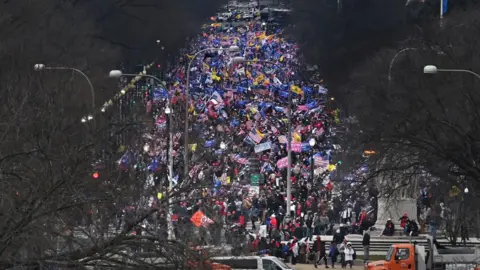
(240, 160)
(319, 162)
(255, 136)
(302, 108)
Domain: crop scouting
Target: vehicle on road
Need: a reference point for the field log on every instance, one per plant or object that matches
(413, 257)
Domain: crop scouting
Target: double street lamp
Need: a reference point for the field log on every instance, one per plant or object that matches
(42, 67)
(168, 112)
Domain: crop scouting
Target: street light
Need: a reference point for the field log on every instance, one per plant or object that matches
(168, 112)
(41, 67)
(187, 102)
(223, 146)
(393, 61)
(466, 190)
(431, 69)
(312, 143)
(118, 73)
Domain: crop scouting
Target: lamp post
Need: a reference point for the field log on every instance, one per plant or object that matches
(240, 59)
(430, 69)
(187, 103)
(463, 226)
(393, 61)
(40, 67)
(312, 143)
(168, 113)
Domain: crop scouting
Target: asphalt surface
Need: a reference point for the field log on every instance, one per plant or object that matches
(311, 267)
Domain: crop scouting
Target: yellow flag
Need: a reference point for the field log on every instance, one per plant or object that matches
(282, 58)
(297, 137)
(259, 133)
(193, 147)
(228, 180)
(331, 167)
(121, 148)
(297, 90)
(206, 66)
(215, 77)
(454, 191)
(159, 195)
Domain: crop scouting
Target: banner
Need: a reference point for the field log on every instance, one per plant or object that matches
(262, 147)
(263, 231)
(282, 163)
(296, 147)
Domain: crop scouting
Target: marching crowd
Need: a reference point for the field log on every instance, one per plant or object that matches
(239, 116)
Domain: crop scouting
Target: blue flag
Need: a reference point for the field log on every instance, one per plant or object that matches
(444, 7)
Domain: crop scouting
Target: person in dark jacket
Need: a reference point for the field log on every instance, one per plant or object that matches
(333, 253)
(298, 232)
(320, 252)
(366, 246)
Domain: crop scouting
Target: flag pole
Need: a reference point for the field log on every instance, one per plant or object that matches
(441, 9)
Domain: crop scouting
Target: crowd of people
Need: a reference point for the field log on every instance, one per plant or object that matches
(238, 114)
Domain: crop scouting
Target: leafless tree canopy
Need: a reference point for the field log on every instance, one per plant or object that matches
(47, 193)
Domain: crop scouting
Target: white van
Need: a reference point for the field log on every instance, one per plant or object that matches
(253, 262)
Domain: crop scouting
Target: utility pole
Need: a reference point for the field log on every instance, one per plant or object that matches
(339, 6)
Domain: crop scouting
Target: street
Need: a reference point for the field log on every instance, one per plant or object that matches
(311, 267)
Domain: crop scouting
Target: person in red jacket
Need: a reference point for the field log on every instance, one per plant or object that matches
(363, 221)
(403, 220)
(273, 222)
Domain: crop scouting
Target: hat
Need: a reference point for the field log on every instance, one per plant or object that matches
(349, 243)
(273, 215)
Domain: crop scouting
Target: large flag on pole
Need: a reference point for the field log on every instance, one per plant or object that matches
(444, 7)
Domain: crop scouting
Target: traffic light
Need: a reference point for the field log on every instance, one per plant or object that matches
(159, 66)
(95, 175)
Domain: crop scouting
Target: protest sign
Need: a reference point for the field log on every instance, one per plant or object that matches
(263, 147)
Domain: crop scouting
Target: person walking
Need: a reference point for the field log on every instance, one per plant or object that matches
(333, 253)
(366, 246)
(320, 252)
(349, 255)
(341, 250)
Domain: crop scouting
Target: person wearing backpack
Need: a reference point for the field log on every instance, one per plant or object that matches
(349, 255)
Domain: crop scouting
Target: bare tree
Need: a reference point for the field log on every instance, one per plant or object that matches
(421, 125)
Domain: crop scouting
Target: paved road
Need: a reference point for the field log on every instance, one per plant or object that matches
(310, 267)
